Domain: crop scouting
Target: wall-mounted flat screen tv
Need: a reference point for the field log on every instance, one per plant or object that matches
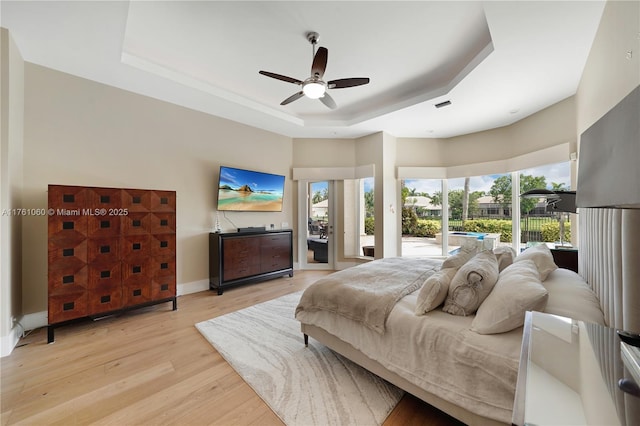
(247, 190)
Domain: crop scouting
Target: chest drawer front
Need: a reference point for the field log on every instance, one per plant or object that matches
(240, 252)
(104, 198)
(66, 306)
(64, 229)
(67, 254)
(135, 246)
(162, 223)
(136, 223)
(163, 266)
(103, 225)
(163, 201)
(136, 291)
(241, 271)
(136, 270)
(68, 279)
(104, 299)
(136, 200)
(103, 250)
(67, 198)
(276, 241)
(163, 287)
(275, 258)
(163, 244)
(107, 275)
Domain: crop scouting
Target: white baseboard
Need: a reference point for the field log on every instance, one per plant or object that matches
(35, 320)
(192, 287)
(9, 342)
(24, 324)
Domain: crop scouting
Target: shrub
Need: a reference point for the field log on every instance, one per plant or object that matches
(369, 225)
(551, 231)
(427, 228)
(493, 226)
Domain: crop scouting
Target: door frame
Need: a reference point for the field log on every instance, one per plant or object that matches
(303, 209)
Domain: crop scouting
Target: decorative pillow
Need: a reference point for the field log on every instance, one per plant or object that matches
(505, 256)
(518, 290)
(541, 255)
(570, 296)
(472, 284)
(434, 291)
(460, 258)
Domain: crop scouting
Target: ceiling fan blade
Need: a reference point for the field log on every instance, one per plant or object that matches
(347, 82)
(328, 101)
(280, 77)
(292, 98)
(319, 62)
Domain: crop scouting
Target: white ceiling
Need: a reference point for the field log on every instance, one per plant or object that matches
(497, 62)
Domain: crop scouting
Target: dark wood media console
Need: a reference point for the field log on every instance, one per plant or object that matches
(244, 257)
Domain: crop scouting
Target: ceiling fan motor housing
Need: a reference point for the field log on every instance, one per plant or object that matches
(313, 37)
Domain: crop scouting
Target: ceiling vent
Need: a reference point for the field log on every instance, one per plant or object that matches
(443, 104)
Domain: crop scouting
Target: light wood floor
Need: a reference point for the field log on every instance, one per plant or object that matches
(151, 366)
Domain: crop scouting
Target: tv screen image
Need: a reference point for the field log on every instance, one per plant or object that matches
(247, 190)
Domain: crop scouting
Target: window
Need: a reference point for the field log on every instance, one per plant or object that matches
(359, 217)
(478, 207)
(482, 204)
(421, 217)
(539, 224)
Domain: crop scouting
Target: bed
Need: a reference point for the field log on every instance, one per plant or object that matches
(439, 357)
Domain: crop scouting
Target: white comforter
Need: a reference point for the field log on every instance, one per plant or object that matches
(438, 353)
(367, 293)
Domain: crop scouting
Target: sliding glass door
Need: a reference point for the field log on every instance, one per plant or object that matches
(317, 250)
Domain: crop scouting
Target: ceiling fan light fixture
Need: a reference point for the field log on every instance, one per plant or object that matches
(314, 90)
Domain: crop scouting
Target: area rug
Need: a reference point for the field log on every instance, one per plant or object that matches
(302, 385)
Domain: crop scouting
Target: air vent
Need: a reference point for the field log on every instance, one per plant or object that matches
(443, 104)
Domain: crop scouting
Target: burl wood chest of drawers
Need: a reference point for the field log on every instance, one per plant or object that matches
(109, 250)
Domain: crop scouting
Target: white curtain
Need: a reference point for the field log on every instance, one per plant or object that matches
(609, 260)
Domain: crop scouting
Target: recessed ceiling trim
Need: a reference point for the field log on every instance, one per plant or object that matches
(425, 96)
(181, 78)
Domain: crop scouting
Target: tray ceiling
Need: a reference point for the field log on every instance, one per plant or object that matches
(496, 62)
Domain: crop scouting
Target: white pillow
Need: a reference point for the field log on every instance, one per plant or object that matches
(541, 255)
(472, 284)
(505, 256)
(570, 296)
(460, 258)
(518, 290)
(434, 291)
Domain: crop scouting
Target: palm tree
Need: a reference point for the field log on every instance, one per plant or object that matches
(555, 186)
(465, 201)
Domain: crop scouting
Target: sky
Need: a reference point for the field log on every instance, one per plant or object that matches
(557, 173)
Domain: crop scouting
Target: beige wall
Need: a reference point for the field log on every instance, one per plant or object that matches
(78, 132)
(610, 74)
(550, 127)
(324, 153)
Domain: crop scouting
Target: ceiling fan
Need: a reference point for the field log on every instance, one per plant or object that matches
(314, 87)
